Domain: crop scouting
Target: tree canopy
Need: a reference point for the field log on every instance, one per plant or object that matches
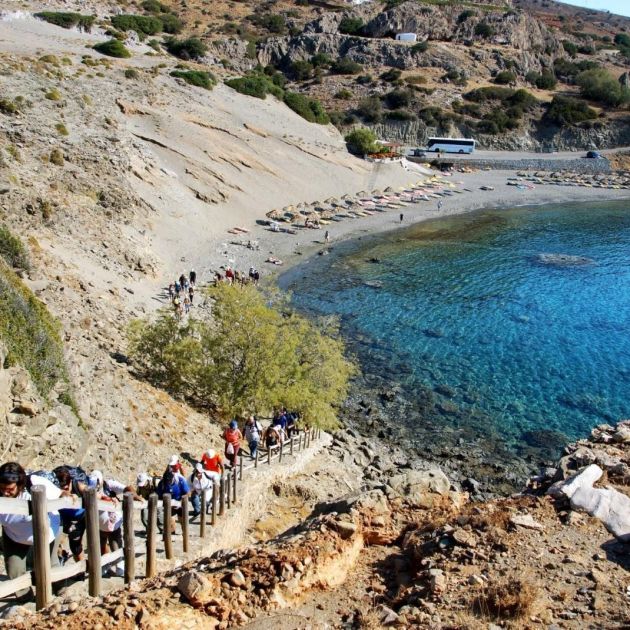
(252, 355)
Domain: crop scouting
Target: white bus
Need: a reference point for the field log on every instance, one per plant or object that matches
(451, 145)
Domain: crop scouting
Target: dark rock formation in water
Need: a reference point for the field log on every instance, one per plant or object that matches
(564, 260)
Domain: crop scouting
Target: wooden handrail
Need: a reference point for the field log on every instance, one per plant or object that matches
(22, 507)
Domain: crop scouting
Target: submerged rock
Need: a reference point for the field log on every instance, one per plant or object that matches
(564, 260)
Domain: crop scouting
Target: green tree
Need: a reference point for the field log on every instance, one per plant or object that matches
(351, 25)
(254, 354)
(362, 141)
(483, 29)
(601, 86)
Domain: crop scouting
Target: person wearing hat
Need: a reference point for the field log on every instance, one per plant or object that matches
(232, 437)
(110, 522)
(202, 481)
(175, 466)
(212, 464)
(253, 433)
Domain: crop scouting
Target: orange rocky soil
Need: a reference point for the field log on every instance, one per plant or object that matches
(373, 561)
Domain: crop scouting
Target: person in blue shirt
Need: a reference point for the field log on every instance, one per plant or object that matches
(176, 485)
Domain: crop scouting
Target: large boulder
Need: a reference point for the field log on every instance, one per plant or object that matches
(607, 504)
(415, 485)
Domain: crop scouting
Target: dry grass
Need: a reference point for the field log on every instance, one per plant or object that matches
(506, 599)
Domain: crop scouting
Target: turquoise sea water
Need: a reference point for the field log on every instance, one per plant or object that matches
(465, 307)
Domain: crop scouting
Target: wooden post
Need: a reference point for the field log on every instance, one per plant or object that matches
(256, 457)
(202, 521)
(215, 486)
(128, 544)
(151, 568)
(222, 495)
(291, 446)
(240, 468)
(90, 504)
(281, 450)
(41, 548)
(300, 441)
(166, 531)
(234, 488)
(228, 490)
(269, 455)
(185, 524)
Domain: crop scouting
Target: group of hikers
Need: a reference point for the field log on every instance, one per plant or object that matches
(234, 276)
(73, 481)
(182, 293)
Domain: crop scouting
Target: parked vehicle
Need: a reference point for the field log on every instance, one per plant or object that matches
(594, 155)
(451, 145)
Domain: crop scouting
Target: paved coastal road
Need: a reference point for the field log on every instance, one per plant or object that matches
(514, 155)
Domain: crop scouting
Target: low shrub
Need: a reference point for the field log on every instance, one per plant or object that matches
(362, 141)
(171, 23)
(190, 48)
(56, 157)
(32, 336)
(464, 15)
(343, 94)
(505, 77)
(543, 81)
(370, 109)
(62, 130)
(569, 47)
(131, 73)
(141, 24)
(256, 85)
(68, 19)
(391, 75)
(365, 79)
(483, 29)
(153, 6)
(351, 25)
(603, 87)
(490, 93)
(398, 98)
(197, 78)
(301, 70)
(400, 114)
(53, 95)
(9, 107)
(568, 70)
(321, 60)
(420, 47)
(345, 66)
(12, 250)
(415, 79)
(113, 48)
(271, 22)
(508, 599)
(564, 110)
(310, 109)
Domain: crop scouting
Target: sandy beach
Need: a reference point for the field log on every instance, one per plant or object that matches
(292, 249)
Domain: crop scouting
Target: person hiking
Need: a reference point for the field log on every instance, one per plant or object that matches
(182, 280)
(177, 486)
(73, 481)
(326, 237)
(212, 464)
(232, 437)
(202, 483)
(175, 466)
(192, 276)
(253, 433)
(17, 530)
(191, 294)
(402, 216)
(272, 436)
(110, 522)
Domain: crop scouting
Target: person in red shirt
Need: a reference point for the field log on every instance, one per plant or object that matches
(233, 439)
(176, 466)
(212, 464)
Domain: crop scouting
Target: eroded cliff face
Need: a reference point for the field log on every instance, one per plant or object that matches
(525, 41)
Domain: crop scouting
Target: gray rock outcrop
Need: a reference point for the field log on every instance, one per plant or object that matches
(607, 504)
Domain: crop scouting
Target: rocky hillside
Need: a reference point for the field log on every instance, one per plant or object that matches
(118, 176)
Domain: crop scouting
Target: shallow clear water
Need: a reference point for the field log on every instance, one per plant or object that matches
(465, 307)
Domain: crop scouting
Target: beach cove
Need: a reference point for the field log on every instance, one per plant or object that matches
(376, 404)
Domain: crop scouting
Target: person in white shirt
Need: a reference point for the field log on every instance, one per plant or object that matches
(110, 523)
(17, 530)
(202, 482)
